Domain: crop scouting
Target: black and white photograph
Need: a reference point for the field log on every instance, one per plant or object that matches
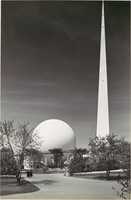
(65, 100)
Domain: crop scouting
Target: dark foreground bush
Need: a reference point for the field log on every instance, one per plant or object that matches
(7, 162)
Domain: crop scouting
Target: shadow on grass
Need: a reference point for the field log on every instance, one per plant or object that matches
(9, 185)
(110, 178)
(45, 182)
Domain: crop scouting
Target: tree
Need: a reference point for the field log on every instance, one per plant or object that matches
(58, 155)
(77, 163)
(6, 133)
(124, 158)
(125, 183)
(18, 140)
(112, 152)
(107, 152)
(96, 147)
(24, 139)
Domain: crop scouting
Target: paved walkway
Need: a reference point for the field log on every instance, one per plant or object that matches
(58, 186)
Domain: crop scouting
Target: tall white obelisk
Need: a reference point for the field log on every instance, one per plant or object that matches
(102, 112)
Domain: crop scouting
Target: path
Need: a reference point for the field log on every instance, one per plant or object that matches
(58, 186)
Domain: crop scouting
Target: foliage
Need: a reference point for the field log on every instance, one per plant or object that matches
(109, 153)
(24, 139)
(17, 140)
(125, 183)
(77, 163)
(112, 152)
(58, 157)
(7, 162)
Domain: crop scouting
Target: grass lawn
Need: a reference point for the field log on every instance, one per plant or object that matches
(9, 185)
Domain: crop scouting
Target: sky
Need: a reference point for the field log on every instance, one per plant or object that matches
(50, 64)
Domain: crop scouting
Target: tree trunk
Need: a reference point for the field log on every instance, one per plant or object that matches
(107, 173)
(18, 173)
(20, 164)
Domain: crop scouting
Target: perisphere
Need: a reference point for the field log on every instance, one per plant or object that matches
(55, 133)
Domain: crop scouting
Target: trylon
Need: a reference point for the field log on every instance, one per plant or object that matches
(102, 112)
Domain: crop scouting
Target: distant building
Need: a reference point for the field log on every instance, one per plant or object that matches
(46, 160)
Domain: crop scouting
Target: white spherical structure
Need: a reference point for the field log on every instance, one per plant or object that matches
(54, 133)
